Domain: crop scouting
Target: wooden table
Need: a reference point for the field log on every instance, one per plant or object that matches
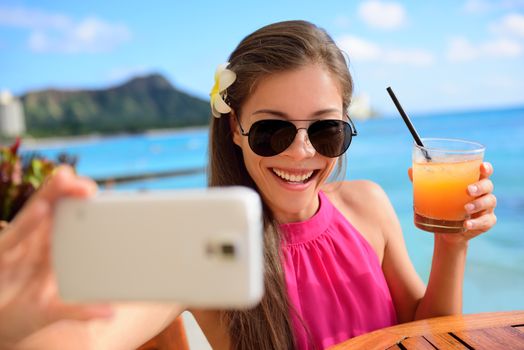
(490, 331)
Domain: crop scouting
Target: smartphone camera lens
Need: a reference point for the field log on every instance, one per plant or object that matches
(228, 250)
(222, 249)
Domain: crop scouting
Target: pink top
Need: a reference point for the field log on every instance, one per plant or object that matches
(334, 280)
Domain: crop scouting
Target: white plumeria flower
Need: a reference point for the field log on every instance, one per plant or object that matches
(223, 79)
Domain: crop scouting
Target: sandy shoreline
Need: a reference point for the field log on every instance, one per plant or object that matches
(34, 143)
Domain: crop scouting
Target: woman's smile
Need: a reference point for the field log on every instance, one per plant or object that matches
(294, 176)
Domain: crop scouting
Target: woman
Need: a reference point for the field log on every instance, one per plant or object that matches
(336, 265)
(292, 71)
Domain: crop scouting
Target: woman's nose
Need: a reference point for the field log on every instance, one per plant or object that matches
(301, 147)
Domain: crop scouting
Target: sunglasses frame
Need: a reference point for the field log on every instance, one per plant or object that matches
(349, 121)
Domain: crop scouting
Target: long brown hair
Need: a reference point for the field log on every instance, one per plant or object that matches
(274, 48)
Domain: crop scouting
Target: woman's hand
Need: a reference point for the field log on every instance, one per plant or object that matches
(481, 209)
(483, 206)
(28, 293)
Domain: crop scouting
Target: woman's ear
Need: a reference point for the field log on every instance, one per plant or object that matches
(235, 128)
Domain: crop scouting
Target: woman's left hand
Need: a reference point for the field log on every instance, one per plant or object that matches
(482, 207)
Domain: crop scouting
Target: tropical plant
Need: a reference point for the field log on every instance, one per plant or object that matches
(22, 175)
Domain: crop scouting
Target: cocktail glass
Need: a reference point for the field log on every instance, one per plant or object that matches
(442, 171)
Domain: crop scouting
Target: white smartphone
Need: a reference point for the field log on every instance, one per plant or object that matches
(199, 247)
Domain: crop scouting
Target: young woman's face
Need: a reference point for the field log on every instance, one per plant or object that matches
(289, 182)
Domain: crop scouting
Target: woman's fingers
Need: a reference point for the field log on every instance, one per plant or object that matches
(480, 188)
(486, 170)
(62, 183)
(484, 185)
(26, 222)
(485, 203)
(481, 223)
(482, 207)
(81, 312)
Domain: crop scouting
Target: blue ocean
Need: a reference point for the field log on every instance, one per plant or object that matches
(381, 152)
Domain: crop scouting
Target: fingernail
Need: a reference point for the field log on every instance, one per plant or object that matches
(469, 207)
(469, 225)
(472, 189)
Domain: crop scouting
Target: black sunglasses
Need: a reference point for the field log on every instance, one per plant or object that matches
(329, 137)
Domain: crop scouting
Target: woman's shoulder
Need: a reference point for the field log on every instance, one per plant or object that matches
(363, 203)
(355, 193)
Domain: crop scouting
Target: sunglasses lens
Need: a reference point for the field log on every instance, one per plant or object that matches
(331, 138)
(268, 138)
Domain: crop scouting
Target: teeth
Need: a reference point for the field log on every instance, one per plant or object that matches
(293, 177)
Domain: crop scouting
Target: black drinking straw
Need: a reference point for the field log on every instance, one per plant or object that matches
(407, 121)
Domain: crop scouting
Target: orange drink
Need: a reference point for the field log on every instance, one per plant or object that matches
(442, 171)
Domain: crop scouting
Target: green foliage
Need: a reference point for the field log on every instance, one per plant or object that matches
(21, 176)
(143, 103)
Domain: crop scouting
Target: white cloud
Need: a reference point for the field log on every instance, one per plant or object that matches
(510, 25)
(359, 49)
(382, 15)
(23, 17)
(477, 6)
(483, 6)
(55, 32)
(501, 48)
(506, 41)
(462, 50)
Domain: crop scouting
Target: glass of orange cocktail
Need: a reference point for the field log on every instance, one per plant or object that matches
(442, 171)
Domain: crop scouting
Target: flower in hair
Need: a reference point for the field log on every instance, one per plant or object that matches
(223, 79)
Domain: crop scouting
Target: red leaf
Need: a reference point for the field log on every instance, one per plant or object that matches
(14, 147)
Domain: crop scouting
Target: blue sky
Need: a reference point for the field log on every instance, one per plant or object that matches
(437, 56)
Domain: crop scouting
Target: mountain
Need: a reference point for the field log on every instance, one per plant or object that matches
(147, 102)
